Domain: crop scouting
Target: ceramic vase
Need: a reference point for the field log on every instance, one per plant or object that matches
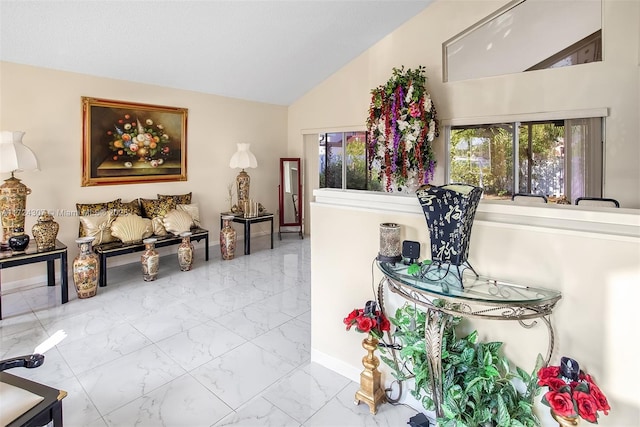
(150, 260)
(45, 232)
(370, 391)
(227, 238)
(19, 241)
(86, 269)
(185, 252)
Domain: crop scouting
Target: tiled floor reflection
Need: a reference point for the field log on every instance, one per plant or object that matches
(225, 344)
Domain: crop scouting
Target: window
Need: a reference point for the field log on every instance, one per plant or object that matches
(343, 161)
(555, 158)
(524, 35)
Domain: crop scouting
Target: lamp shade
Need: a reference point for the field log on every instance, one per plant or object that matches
(243, 158)
(14, 155)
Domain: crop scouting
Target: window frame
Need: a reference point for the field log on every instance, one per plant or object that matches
(516, 120)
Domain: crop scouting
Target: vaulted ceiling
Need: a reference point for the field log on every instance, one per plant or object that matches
(266, 51)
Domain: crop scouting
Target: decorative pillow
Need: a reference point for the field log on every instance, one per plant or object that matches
(152, 208)
(85, 209)
(191, 209)
(131, 228)
(98, 226)
(178, 199)
(158, 226)
(130, 208)
(177, 221)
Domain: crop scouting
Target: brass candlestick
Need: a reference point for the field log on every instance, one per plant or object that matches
(565, 421)
(370, 391)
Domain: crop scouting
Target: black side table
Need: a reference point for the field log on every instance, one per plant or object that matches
(247, 226)
(30, 256)
(48, 410)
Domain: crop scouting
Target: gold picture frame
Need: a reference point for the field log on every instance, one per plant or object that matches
(131, 143)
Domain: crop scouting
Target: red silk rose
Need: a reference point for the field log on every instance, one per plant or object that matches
(384, 323)
(587, 406)
(548, 372)
(350, 319)
(556, 384)
(601, 400)
(572, 393)
(368, 320)
(561, 403)
(365, 324)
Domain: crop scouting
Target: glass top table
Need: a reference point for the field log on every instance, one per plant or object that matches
(445, 295)
(475, 290)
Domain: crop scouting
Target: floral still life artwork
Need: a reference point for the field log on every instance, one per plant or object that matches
(572, 393)
(401, 127)
(368, 320)
(125, 142)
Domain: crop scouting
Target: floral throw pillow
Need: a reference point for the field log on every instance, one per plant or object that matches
(130, 208)
(85, 209)
(178, 199)
(152, 208)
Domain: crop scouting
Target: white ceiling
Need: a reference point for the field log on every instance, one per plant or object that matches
(267, 51)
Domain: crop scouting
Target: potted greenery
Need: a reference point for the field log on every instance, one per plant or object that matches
(478, 380)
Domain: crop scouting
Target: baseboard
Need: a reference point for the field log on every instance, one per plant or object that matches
(353, 373)
(336, 365)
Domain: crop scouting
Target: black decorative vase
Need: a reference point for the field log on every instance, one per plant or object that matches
(449, 211)
(19, 241)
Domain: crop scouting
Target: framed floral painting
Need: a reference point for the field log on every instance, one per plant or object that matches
(129, 143)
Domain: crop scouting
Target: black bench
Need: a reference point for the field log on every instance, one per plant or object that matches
(111, 249)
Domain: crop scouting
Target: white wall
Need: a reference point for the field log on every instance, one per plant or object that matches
(591, 257)
(46, 104)
(342, 100)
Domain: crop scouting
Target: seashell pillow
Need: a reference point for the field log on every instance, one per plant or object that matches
(131, 228)
(176, 221)
(191, 209)
(97, 226)
(158, 226)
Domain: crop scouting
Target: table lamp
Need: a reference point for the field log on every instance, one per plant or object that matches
(243, 158)
(14, 157)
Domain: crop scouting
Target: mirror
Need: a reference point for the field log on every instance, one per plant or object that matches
(290, 197)
(526, 35)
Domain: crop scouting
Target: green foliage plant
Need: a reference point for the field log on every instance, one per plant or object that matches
(479, 384)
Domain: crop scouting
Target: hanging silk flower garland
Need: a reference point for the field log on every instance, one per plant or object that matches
(401, 125)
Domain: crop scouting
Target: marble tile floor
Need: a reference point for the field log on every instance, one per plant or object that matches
(225, 344)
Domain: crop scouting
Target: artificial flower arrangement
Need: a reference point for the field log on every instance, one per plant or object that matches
(572, 392)
(132, 139)
(401, 126)
(368, 320)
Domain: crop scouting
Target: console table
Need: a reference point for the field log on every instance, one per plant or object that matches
(31, 255)
(239, 218)
(481, 297)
